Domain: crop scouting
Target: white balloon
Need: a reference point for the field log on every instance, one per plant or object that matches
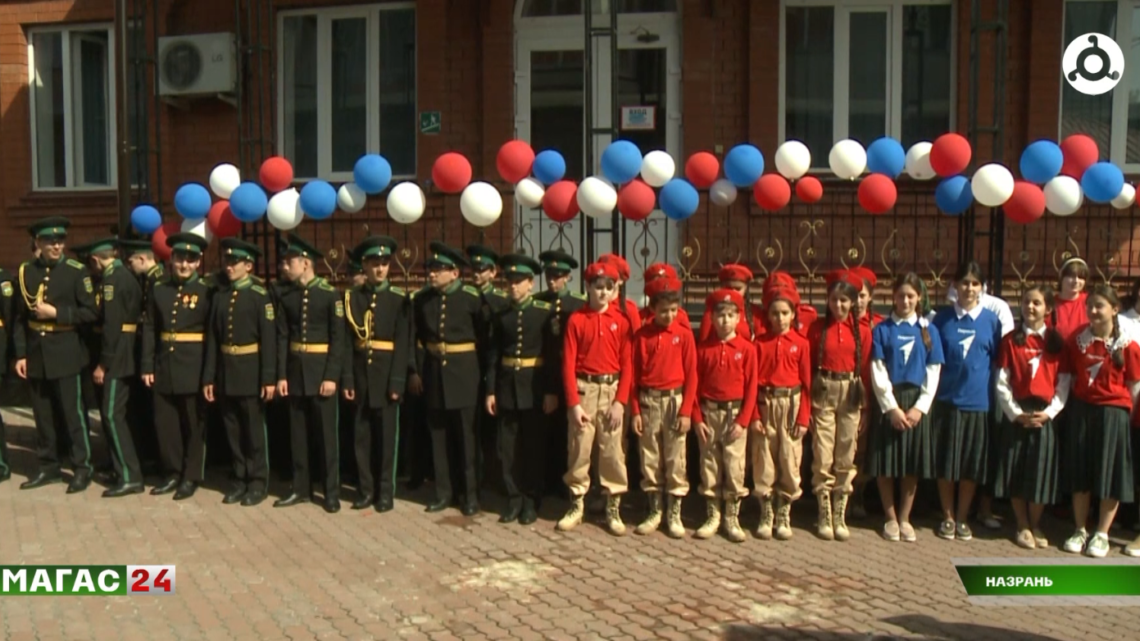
(722, 192)
(1063, 195)
(992, 185)
(406, 203)
(918, 161)
(848, 159)
(658, 168)
(284, 211)
(793, 159)
(198, 226)
(481, 204)
(224, 179)
(597, 197)
(351, 198)
(529, 193)
(1126, 197)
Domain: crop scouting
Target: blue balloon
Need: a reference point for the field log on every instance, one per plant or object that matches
(886, 156)
(549, 167)
(318, 199)
(621, 162)
(954, 195)
(192, 201)
(1102, 182)
(248, 202)
(1041, 161)
(146, 219)
(678, 199)
(372, 173)
(743, 165)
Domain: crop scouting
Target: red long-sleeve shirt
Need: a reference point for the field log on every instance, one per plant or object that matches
(784, 360)
(839, 350)
(596, 343)
(742, 328)
(1072, 314)
(664, 358)
(805, 316)
(646, 315)
(1096, 379)
(632, 314)
(726, 371)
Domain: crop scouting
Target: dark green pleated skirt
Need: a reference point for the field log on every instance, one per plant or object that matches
(1026, 465)
(894, 454)
(1098, 454)
(962, 442)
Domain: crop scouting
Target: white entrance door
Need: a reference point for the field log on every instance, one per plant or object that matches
(550, 104)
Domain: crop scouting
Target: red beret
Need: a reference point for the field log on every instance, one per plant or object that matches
(662, 285)
(779, 292)
(780, 278)
(735, 271)
(660, 270)
(601, 270)
(618, 262)
(725, 295)
(844, 275)
(867, 275)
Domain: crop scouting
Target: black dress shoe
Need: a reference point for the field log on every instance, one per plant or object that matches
(126, 489)
(41, 480)
(253, 497)
(291, 500)
(470, 509)
(363, 502)
(167, 486)
(385, 504)
(235, 495)
(511, 514)
(438, 506)
(529, 512)
(79, 483)
(186, 489)
(332, 505)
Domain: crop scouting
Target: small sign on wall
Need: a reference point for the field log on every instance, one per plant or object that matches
(639, 118)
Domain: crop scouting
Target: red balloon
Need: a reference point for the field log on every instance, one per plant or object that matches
(772, 192)
(1079, 153)
(1026, 205)
(809, 189)
(276, 174)
(158, 239)
(451, 172)
(701, 169)
(221, 220)
(560, 202)
(514, 160)
(636, 200)
(877, 193)
(950, 155)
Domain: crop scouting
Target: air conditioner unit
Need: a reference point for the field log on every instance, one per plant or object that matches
(197, 65)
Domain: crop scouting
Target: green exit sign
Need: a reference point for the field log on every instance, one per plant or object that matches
(431, 122)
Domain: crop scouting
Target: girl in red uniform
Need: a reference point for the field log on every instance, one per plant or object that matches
(782, 415)
(867, 316)
(841, 357)
(1031, 391)
(1069, 313)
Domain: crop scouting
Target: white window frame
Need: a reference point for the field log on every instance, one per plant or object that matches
(72, 144)
(1118, 136)
(842, 44)
(325, 17)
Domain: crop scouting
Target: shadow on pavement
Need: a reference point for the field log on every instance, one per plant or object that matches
(924, 628)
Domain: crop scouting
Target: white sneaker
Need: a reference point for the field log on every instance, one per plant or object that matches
(1097, 546)
(1075, 544)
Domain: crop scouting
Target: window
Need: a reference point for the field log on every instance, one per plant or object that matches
(1111, 119)
(347, 88)
(864, 69)
(72, 106)
(546, 8)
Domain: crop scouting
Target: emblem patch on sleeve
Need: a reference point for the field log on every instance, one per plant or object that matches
(87, 285)
(6, 287)
(108, 293)
(269, 311)
(340, 309)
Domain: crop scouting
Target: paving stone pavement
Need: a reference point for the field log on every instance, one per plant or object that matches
(264, 573)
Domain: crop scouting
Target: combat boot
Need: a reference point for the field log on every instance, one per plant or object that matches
(712, 521)
(613, 516)
(823, 523)
(783, 520)
(732, 521)
(839, 516)
(573, 516)
(673, 526)
(653, 519)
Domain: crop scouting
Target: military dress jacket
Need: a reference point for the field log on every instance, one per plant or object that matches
(310, 336)
(449, 327)
(379, 338)
(53, 346)
(520, 355)
(121, 310)
(7, 312)
(565, 302)
(174, 334)
(241, 340)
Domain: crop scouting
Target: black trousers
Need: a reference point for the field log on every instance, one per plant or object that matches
(5, 461)
(246, 432)
(522, 452)
(376, 440)
(58, 409)
(313, 421)
(453, 439)
(416, 457)
(178, 422)
(140, 418)
(557, 451)
(116, 399)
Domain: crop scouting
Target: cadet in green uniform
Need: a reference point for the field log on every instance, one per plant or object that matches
(556, 267)
(310, 350)
(241, 369)
(448, 321)
(378, 315)
(174, 351)
(56, 296)
(518, 379)
(91, 340)
(484, 269)
(7, 303)
(116, 365)
(139, 256)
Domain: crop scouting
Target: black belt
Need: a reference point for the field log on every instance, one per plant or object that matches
(780, 392)
(601, 379)
(725, 406)
(662, 393)
(836, 376)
